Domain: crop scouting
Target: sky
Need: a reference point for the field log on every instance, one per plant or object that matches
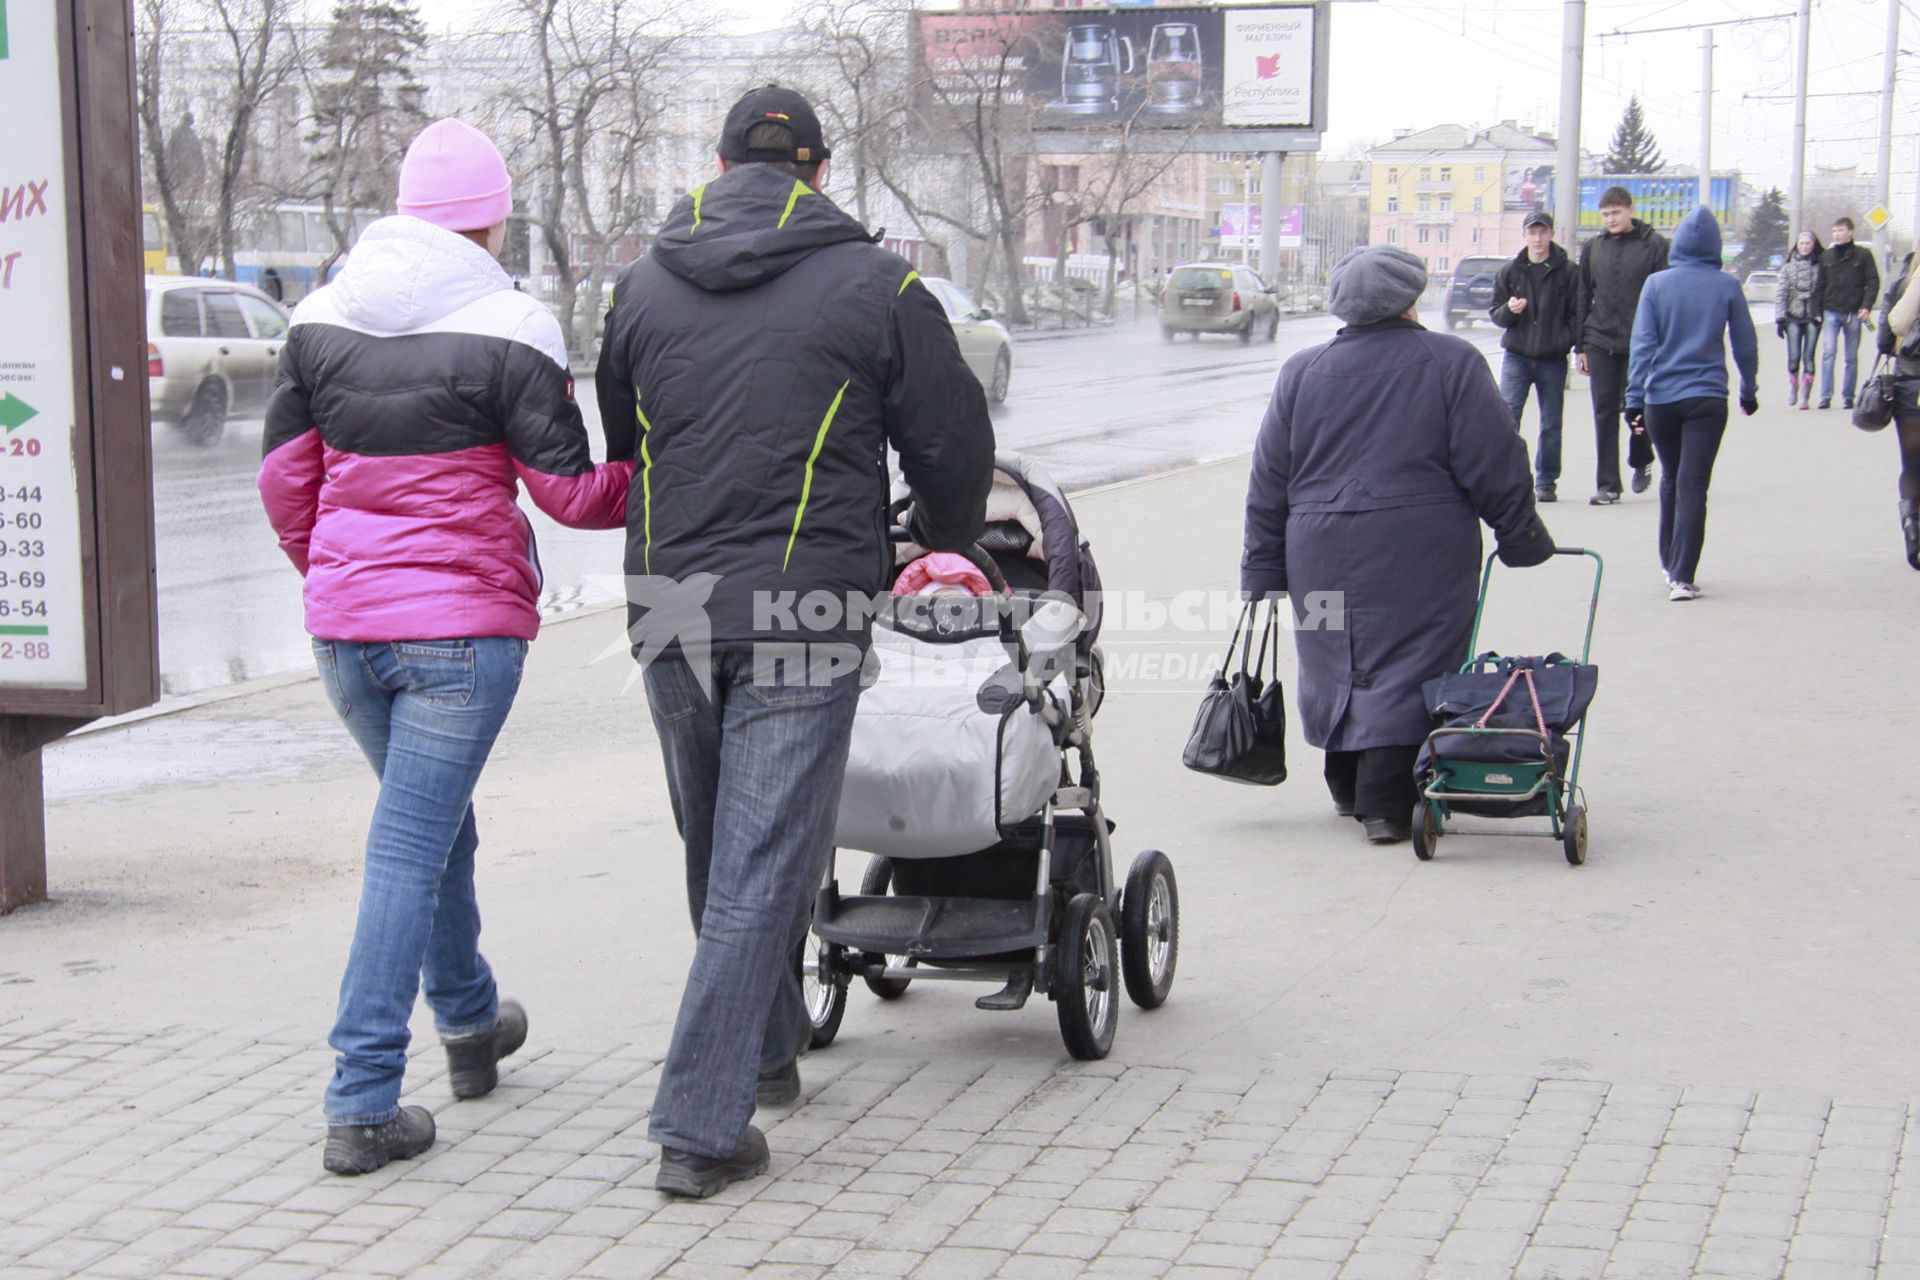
(1413, 63)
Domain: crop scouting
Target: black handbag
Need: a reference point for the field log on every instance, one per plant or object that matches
(1240, 731)
(1873, 407)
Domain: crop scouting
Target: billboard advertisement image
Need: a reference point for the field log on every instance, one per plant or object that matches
(1658, 202)
(1156, 68)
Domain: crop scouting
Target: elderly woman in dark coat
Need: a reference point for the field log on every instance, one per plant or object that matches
(1380, 454)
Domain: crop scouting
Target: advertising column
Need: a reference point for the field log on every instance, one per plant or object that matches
(43, 629)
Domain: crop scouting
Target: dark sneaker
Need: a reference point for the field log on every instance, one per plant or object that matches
(1827, 402)
(473, 1062)
(684, 1174)
(1642, 477)
(1343, 807)
(1545, 493)
(1844, 404)
(1604, 498)
(1910, 530)
(779, 1088)
(355, 1149)
(1385, 831)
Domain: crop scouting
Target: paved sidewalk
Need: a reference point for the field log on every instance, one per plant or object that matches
(185, 1154)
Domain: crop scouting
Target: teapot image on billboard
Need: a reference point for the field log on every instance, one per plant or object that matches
(1174, 66)
(1091, 68)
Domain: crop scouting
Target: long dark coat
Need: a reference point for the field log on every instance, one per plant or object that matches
(1380, 454)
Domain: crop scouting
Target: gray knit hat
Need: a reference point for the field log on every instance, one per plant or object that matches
(1375, 283)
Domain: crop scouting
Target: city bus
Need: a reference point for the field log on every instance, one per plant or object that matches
(153, 240)
(281, 249)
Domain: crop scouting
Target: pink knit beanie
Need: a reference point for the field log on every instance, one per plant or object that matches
(453, 177)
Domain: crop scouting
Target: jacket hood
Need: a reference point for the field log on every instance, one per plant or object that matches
(1697, 241)
(1556, 256)
(747, 226)
(404, 274)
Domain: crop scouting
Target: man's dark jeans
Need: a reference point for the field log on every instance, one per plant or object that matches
(754, 766)
(1687, 436)
(1609, 387)
(1548, 378)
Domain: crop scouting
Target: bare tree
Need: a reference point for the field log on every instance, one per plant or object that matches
(174, 157)
(256, 61)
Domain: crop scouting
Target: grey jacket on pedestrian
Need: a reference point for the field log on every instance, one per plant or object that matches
(1799, 296)
(1380, 454)
(1613, 269)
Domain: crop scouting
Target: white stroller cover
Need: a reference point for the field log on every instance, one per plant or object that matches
(931, 775)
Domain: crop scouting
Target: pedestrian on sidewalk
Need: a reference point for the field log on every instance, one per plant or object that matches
(1852, 283)
(1534, 302)
(1614, 267)
(768, 353)
(415, 393)
(1677, 385)
(1900, 338)
(1798, 311)
(1380, 453)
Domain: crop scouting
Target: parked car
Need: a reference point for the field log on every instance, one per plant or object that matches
(212, 348)
(1218, 297)
(1761, 285)
(1470, 290)
(984, 341)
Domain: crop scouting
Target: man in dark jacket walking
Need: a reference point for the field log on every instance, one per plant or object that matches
(767, 353)
(1613, 269)
(1852, 284)
(1534, 301)
(1381, 453)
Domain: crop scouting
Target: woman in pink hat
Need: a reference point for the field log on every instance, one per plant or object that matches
(416, 394)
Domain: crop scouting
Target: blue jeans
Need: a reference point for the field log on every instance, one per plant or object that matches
(1548, 378)
(1686, 435)
(425, 713)
(1802, 337)
(1841, 325)
(754, 766)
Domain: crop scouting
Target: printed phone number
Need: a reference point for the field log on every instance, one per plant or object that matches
(25, 548)
(28, 651)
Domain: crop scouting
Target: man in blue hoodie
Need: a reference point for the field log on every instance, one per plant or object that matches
(1677, 384)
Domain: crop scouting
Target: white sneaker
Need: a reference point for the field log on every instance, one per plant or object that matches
(1684, 591)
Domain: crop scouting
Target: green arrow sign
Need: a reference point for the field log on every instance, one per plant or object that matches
(14, 411)
(3, 29)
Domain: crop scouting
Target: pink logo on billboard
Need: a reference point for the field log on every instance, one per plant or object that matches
(1266, 66)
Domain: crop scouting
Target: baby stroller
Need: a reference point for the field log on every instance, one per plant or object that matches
(1510, 737)
(972, 783)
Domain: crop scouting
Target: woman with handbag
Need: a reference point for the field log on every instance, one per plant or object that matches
(1380, 454)
(1900, 340)
(1798, 300)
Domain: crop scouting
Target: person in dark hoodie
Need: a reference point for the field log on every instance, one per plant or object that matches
(1380, 454)
(1852, 284)
(1677, 385)
(764, 357)
(1533, 300)
(1613, 269)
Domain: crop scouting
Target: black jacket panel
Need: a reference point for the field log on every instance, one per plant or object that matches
(1546, 328)
(1612, 271)
(760, 362)
(1853, 281)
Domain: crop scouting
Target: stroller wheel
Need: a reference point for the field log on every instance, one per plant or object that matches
(823, 985)
(1150, 929)
(1426, 831)
(874, 884)
(1573, 835)
(1086, 978)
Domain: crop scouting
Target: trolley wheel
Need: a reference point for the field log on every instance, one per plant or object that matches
(1426, 831)
(875, 884)
(1573, 835)
(824, 988)
(1150, 929)
(1085, 986)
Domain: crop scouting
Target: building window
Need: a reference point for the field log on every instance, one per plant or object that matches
(1225, 186)
(1445, 235)
(1393, 177)
(1476, 235)
(1393, 204)
(1476, 204)
(1393, 235)
(1426, 175)
(1423, 235)
(1446, 204)
(1446, 175)
(1426, 204)
(1479, 175)
(1443, 264)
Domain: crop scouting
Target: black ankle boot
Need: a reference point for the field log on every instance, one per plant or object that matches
(473, 1062)
(1910, 528)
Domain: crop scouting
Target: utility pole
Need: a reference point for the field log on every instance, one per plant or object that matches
(1706, 117)
(1797, 186)
(1889, 68)
(1566, 190)
(1272, 212)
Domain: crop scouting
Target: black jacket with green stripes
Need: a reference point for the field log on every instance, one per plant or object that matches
(758, 364)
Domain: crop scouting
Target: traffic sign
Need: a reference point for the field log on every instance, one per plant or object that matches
(1879, 216)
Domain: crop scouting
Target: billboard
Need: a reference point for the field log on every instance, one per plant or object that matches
(1240, 226)
(1219, 78)
(1658, 202)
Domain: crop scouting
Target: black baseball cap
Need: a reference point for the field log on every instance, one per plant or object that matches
(772, 104)
(1538, 218)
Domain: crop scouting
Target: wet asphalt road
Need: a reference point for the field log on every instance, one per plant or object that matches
(1092, 410)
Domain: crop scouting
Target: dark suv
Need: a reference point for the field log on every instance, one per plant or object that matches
(1470, 289)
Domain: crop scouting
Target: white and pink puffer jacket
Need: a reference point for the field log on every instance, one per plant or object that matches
(415, 393)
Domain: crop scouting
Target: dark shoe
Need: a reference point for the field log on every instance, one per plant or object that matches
(1545, 493)
(1827, 402)
(355, 1149)
(684, 1174)
(473, 1062)
(1604, 498)
(1642, 477)
(1844, 404)
(1343, 807)
(779, 1088)
(1386, 831)
(1910, 530)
